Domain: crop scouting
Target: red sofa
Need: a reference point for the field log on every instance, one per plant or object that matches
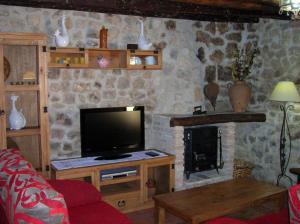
(85, 205)
(26, 197)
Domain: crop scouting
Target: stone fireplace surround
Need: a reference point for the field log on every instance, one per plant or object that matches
(170, 139)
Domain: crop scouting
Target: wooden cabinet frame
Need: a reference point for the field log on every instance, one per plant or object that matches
(40, 131)
(137, 198)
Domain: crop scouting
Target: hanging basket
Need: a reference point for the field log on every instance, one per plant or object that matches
(241, 169)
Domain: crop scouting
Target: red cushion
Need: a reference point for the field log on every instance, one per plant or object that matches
(25, 196)
(225, 220)
(3, 219)
(97, 213)
(281, 217)
(294, 204)
(76, 192)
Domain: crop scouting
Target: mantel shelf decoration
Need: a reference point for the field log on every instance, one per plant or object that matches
(240, 91)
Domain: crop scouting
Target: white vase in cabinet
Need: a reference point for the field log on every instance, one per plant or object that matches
(16, 118)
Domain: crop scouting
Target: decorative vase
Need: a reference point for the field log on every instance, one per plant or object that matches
(62, 38)
(239, 95)
(103, 37)
(211, 91)
(16, 118)
(142, 42)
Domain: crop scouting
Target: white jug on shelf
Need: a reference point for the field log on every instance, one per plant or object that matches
(16, 118)
(62, 38)
(142, 42)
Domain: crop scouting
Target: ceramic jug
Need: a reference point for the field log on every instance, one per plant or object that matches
(62, 38)
(16, 118)
(142, 42)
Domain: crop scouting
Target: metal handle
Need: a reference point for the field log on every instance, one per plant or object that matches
(2, 112)
(121, 203)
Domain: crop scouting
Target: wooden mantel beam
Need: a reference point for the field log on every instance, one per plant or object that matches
(214, 118)
(202, 10)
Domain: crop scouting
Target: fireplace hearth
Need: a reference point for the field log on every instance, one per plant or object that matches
(202, 149)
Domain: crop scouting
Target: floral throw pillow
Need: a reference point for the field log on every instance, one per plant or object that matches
(26, 196)
(294, 204)
(10, 162)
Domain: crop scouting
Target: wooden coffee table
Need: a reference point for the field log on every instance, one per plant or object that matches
(211, 201)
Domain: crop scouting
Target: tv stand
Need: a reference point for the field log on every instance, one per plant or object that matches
(113, 157)
(127, 193)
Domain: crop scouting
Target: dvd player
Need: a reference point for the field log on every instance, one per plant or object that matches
(117, 173)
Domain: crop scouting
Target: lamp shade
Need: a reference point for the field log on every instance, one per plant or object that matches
(285, 91)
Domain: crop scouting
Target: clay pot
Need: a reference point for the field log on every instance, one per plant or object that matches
(239, 95)
(211, 91)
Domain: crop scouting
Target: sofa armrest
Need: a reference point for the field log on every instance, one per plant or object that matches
(76, 192)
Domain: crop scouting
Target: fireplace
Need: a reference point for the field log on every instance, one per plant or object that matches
(171, 140)
(167, 134)
(203, 149)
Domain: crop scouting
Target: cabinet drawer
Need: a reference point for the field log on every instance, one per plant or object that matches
(124, 202)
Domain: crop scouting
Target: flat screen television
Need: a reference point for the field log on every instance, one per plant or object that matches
(110, 133)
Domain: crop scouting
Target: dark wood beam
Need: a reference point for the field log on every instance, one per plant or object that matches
(202, 10)
(213, 118)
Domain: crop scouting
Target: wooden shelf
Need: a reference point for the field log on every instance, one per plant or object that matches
(213, 118)
(52, 65)
(120, 180)
(87, 58)
(23, 132)
(19, 88)
(121, 188)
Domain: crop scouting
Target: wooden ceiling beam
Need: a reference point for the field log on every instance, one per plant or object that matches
(203, 10)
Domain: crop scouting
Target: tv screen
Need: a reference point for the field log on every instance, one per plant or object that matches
(111, 131)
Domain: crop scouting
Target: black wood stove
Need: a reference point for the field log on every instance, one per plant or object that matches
(201, 149)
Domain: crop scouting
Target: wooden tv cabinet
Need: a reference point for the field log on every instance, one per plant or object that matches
(129, 193)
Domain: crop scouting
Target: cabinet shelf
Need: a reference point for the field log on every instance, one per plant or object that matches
(119, 180)
(19, 88)
(23, 132)
(121, 188)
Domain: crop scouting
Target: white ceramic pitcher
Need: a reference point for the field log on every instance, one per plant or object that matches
(16, 118)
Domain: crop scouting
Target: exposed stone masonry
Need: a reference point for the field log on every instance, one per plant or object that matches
(193, 52)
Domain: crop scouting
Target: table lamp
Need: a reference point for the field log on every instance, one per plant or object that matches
(284, 92)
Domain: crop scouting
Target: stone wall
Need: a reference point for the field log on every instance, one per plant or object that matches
(279, 61)
(178, 87)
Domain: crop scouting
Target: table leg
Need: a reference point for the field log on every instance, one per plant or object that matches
(160, 214)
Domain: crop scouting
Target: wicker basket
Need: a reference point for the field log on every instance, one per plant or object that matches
(242, 168)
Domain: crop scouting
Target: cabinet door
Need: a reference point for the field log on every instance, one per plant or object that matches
(2, 102)
(27, 80)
